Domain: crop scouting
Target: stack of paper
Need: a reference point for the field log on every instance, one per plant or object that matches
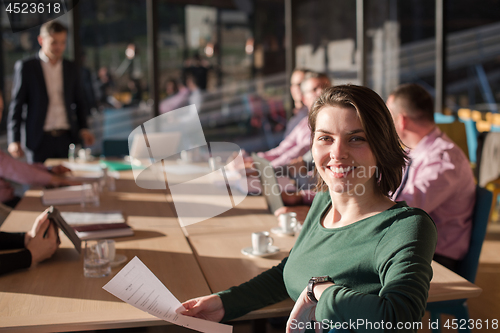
(70, 195)
(98, 225)
(79, 218)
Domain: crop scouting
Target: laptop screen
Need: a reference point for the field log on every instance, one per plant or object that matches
(271, 190)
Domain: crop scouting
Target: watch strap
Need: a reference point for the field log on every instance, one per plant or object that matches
(312, 282)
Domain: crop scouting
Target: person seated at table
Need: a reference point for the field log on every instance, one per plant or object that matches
(439, 179)
(298, 141)
(300, 110)
(374, 254)
(177, 96)
(23, 173)
(27, 174)
(293, 146)
(301, 171)
(38, 244)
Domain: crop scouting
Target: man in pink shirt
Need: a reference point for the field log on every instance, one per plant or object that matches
(438, 179)
(28, 174)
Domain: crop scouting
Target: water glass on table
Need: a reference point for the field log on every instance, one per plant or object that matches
(96, 261)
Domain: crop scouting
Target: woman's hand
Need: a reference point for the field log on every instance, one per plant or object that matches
(302, 313)
(207, 307)
(36, 226)
(41, 247)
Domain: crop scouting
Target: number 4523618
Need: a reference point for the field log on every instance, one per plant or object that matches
(471, 324)
(32, 8)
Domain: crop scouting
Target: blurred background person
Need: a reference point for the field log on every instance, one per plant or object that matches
(50, 106)
(297, 143)
(26, 174)
(105, 90)
(177, 96)
(135, 88)
(300, 111)
(195, 92)
(199, 68)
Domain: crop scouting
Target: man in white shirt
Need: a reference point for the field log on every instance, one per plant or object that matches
(49, 87)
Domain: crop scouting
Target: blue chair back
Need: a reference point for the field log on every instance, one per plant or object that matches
(472, 134)
(468, 266)
(440, 118)
(470, 131)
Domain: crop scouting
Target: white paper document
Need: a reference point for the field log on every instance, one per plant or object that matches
(138, 286)
(69, 195)
(79, 218)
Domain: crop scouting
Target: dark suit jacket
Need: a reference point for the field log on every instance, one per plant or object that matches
(28, 107)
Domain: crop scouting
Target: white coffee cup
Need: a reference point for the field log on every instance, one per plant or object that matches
(287, 221)
(261, 242)
(111, 249)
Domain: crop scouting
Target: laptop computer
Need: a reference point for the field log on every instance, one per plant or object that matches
(271, 189)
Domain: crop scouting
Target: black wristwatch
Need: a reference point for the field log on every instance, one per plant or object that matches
(311, 284)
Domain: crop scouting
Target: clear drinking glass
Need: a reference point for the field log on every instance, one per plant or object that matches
(96, 259)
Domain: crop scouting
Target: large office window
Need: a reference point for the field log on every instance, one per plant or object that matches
(325, 38)
(473, 55)
(237, 52)
(401, 44)
(113, 38)
(234, 50)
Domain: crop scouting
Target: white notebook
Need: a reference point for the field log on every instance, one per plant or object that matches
(69, 195)
(85, 218)
(102, 234)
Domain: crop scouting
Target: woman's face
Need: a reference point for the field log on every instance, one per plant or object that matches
(342, 153)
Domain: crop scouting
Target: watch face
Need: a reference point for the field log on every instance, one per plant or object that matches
(322, 278)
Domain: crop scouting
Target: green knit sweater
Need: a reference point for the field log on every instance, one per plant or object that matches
(380, 265)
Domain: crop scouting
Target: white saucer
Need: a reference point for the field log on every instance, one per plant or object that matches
(119, 259)
(249, 251)
(279, 231)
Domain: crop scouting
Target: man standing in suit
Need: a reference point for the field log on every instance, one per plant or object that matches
(49, 88)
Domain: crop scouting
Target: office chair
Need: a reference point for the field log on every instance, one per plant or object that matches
(468, 266)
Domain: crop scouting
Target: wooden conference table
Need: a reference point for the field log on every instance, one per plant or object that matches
(191, 261)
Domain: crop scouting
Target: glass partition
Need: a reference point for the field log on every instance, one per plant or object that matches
(473, 56)
(401, 44)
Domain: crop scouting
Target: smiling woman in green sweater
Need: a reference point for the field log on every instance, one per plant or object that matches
(362, 261)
